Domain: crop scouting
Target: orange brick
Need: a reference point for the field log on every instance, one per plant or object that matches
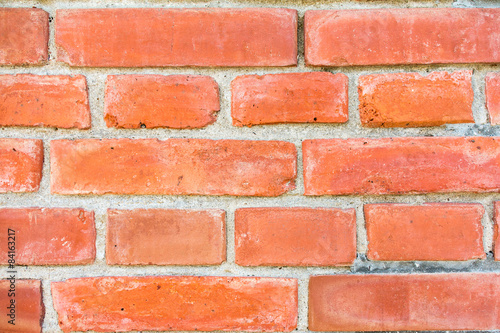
(175, 101)
(289, 98)
(21, 167)
(24, 36)
(43, 100)
(418, 302)
(176, 303)
(401, 165)
(493, 97)
(174, 166)
(497, 234)
(437, 231)
(295, 236)
(166, 237)
(49, 236)
(29, 310)
(144, 37)
(401, 36)
(412, 100)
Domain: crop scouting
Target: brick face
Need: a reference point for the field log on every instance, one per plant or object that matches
(493, 97)
(21, 167)
(180, 303)
(295, 236)
(412, 100)
(49, 236)
(166, 237)
(147, 37)
(43, 100)
(29, 309)
(404, 302)
(174, 166)
(401, 165)
(24, 36)
(427, 232)
(150, 101)
(401, 36)
(289, 98)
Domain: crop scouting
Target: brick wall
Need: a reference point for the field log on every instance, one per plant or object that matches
(249, 166)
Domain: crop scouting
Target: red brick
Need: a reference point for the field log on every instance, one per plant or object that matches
(143, 37)
(295, 236)
(493, 97)
(29, 309)
(24, 36)
(437, 231)
(49, 236)
(178, 303)
(412, 100)
(21, 167)
(404, 302)
(401, 165)
(175, 101)
(174, 166)
(497, 234)
(166, 237)
(402, 36)
(289, 98)
(43, 100)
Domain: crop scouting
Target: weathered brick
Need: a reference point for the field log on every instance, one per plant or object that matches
(401, 165)
(174, 166)
(295, 236)
(415, 302)
(43, 100)
(21, 165)
(49, 236)
(412, 100)
(437, 231)
(142, 37)
(178, 303)
(289, 98)
(29, 310)
(24, 36)
(402, 36)
(493, 97)
(175, 101)
(166, 237)
(497, 233)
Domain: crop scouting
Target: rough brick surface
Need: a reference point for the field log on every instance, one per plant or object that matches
(401, 165)
(175, 101)
(140, 37)
(404, 302)
(179, 303)
(438, 231)
(21, 165)
(166, 237)
(49, 236)
(43, 100)
(174, 166)
(497, 233)
(402, 36)
(493, 97)
(24, 36)
(412, 100)
(289, 98)
(295, 236)
(29, 309)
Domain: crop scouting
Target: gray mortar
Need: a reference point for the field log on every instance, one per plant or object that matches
(223, 129)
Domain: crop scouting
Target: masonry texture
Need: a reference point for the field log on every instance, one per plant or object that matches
(267, 166)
